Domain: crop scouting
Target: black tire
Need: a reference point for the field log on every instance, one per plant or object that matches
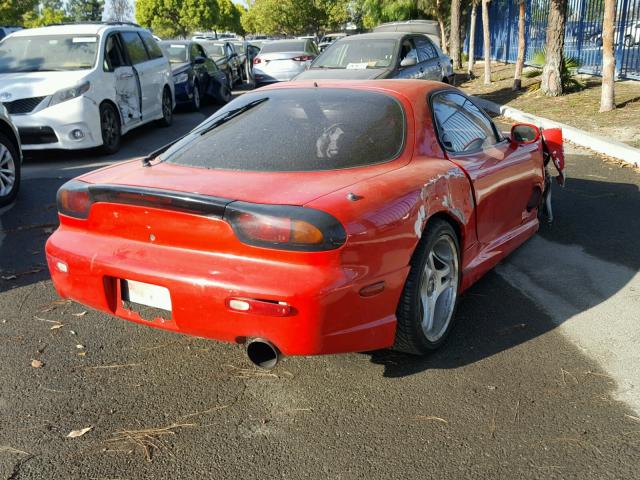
(410, 336)
(225, 95)
(9, 170)
(167, 109)
(229, 79)
(110, 129)
(196, 100)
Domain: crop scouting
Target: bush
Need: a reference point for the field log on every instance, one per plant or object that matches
(568, 71)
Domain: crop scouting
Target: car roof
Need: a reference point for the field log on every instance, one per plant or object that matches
(376, 35)
(74, 29)
(179, 42)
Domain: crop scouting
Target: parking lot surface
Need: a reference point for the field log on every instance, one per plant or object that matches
(538, 380)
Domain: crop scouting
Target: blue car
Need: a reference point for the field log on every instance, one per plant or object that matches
(195, 75)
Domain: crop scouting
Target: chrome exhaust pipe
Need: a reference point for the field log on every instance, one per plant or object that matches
(262, 353)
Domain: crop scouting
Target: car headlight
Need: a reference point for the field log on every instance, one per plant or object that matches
(181, 77)
(69, 93)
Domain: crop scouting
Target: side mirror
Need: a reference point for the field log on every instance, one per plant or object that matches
(524, 133)
(408, 62)
(199, 60)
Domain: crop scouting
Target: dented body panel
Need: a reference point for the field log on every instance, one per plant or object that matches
(384, 210)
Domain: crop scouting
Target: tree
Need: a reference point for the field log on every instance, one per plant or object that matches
(119, 11)
(517, 79)
(454, 39)
(47, 12)
(607, 98)
(176, 18)
(472, 38)
(229, 17)
(12, 11)
(551, 73)
(486, 42)
(85, 10)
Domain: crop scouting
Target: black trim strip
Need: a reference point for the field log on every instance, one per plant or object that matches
(158, 198)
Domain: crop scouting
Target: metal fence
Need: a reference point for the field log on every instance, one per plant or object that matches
(583, 34)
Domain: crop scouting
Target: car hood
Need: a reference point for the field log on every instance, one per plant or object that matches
(14, 86)
(291, 188)
(343, 74)
(177, 68)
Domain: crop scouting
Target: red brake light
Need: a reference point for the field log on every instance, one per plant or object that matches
(303, 58)
(285, 227)
(73, 199)
(257, 60)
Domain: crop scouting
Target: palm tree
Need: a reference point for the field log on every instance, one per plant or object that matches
(487, 42)
(472, 38)
(552, 71)
(607, 98)
(454, 41)
(517, 79)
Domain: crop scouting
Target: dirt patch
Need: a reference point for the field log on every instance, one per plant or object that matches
(579, 109)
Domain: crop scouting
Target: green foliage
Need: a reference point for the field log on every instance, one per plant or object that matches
(229, 17)
(12, 11)
(85, 10)
(46, 16)
(568, 71)
(176, 18)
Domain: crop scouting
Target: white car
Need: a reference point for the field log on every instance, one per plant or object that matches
(10, 159)
(84, 85)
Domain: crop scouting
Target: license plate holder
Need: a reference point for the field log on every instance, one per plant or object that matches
(146, 294)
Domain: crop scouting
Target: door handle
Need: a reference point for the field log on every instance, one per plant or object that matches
(122, 76)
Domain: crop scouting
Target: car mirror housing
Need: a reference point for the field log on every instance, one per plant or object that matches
(524, 133)
(199, 60)
(408, 62)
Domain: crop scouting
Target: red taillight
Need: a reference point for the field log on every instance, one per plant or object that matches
(73, 199)
(285, 227)
(257, 60)
(303, 58)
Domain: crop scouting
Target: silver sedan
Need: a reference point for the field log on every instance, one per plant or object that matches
(282, 60)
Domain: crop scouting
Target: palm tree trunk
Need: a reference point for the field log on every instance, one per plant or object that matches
(472, 38)
(517, 79)
(443, 32)
(454, 34)
(607, 99)
(551, 73)
(487, 42)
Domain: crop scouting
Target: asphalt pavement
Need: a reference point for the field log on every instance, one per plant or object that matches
(538, 380)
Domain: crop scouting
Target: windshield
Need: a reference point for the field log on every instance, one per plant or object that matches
(45, 53)
(212, 49)
(175, 52)
(283, 46)
(301, 129)
(358, 55)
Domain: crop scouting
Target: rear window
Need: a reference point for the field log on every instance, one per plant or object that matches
(284, 46)
(306, 129)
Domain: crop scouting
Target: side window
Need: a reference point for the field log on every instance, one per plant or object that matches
(193, 52)
(425, 48)
(153, 49)
(408, 50)
(113, 54)
(200, 51)
(461, 126)
(135, 47)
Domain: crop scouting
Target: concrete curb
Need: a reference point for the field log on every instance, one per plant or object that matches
(598, 144)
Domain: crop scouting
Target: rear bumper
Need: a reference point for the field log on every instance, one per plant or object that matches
(329, 315)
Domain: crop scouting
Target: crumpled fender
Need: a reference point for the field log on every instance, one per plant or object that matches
(553, 146)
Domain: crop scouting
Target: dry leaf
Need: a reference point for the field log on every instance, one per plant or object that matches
(80, 314)
(82, 354)
(55, 327)
(79, 433)
(79, 346)
(72, 332)
(36, 363)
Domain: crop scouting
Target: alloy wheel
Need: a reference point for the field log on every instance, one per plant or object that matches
(7, 171)
(439, 288)
(110, 131)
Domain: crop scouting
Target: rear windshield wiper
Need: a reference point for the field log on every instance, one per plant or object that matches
(146, 161)
(231, 114)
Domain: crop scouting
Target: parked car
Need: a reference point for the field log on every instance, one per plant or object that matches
(349, 236)
(8, 29)
(282, 60)
(247, 51)
(10, 158)
(430, 28)
(382, 55)
(195, 75)
(328, 39)
(83, 85)
(226, 58)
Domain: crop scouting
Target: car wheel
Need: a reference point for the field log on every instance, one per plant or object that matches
(167, 109)
(9, 171)
(229, 80)
(110, 129)
(195, 101)
(428, 302)
(225, 93)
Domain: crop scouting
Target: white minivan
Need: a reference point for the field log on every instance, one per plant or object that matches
(84, 85)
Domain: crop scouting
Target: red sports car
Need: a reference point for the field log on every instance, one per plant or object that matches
(308, 218)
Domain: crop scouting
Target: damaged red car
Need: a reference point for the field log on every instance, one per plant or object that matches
(351, 218)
